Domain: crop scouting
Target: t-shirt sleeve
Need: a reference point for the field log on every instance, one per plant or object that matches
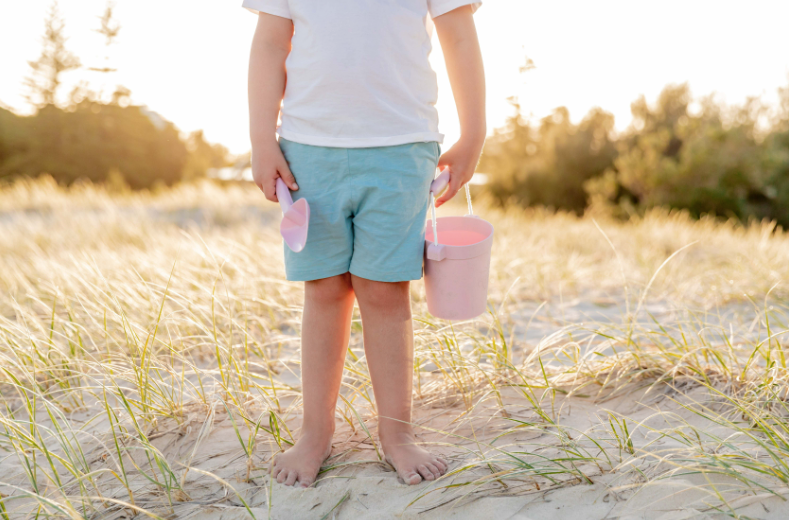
(439, 7)
(276, 7)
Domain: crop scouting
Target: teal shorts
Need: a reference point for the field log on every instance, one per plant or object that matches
(367, 210)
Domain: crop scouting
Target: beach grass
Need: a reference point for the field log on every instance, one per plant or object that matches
(149, 362)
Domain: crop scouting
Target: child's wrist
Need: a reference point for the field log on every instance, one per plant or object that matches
(473, 135)
(265, 143)
(472, 140)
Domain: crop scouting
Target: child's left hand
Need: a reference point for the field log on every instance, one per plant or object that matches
(461, 160)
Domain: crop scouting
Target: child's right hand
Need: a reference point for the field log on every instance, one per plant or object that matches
(268, 163)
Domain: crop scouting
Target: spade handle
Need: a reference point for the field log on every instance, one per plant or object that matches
(283, 195)
(441, 182)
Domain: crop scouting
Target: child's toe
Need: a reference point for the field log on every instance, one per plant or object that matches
(434, 470)
(291, 478)
(426, 473)
(412, 478)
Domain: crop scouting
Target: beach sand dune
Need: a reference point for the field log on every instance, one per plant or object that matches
(149, 365)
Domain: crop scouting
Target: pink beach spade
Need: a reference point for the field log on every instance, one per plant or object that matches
(295, 218)
(457, 260)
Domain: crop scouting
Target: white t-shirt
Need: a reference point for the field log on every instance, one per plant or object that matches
(358, 71)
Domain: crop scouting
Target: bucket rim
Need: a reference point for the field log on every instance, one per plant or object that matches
(464, 252)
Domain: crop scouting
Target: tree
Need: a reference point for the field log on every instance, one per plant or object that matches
(109, 28)
(55, 60)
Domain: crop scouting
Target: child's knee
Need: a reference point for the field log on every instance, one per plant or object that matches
(330, 290)
(384, 295)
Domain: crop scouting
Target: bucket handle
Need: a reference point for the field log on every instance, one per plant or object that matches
(436, 187)
(468, 200)
(441, 182)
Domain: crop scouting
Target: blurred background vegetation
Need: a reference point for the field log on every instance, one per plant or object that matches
(95, 136)
(697, 155)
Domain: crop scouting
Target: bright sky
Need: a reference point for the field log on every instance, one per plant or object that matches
(188, 60)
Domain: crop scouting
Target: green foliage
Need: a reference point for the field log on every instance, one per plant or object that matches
(90, 140)
(709, 162)
(203, 156)
(12, 135)
(547, 164)
(712, 159)
(777, 159)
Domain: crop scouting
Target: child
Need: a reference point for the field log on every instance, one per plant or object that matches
(359, 140)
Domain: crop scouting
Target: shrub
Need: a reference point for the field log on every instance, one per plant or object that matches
(90, 140)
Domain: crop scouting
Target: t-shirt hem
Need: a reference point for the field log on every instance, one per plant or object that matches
(361, 142)
(261, 6)
(439, 8)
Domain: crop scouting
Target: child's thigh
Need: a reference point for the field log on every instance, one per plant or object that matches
(393, 187)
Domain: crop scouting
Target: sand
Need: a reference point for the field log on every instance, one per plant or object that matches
(368, 488)
(492, 436)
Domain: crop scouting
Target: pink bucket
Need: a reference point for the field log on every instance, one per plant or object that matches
(457, 268)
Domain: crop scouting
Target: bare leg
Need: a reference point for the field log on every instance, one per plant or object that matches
(325, 330)
(389, 347)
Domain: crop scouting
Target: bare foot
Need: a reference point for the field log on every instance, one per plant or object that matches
(301, 463)
(412, 463)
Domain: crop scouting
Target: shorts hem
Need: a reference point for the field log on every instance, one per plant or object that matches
(315, 274)
(402, 276)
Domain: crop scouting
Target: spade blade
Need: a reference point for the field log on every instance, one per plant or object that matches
(295, 224)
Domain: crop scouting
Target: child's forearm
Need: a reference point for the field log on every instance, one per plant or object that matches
(458, 37)
(267, 76)
(270, 48)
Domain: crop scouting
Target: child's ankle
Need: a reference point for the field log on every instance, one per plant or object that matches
(318, 430)
(395, 434)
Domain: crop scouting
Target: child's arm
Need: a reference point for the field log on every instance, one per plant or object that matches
(270, 48)
(458, 37)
